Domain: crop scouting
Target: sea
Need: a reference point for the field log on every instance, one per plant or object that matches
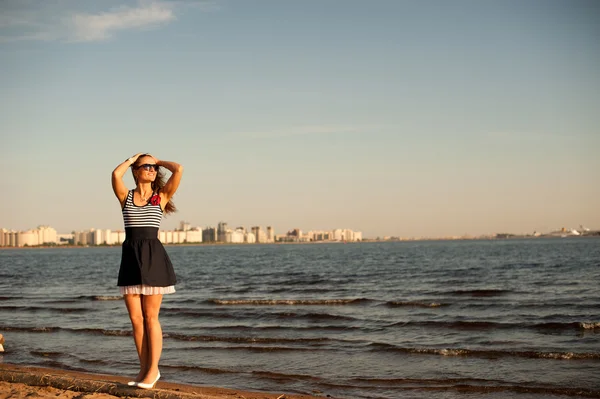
(515, 318)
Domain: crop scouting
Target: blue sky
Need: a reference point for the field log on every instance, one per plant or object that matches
(395, 117)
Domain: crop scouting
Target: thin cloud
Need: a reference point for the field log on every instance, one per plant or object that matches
(93, 27)
(64, 20)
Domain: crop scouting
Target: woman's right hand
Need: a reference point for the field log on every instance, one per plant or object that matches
(136, 156)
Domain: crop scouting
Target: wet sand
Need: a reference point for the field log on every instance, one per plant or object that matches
(36, 382)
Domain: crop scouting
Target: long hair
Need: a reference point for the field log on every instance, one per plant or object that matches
(157, 184)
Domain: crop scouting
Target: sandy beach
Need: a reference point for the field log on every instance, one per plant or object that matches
(37, 382)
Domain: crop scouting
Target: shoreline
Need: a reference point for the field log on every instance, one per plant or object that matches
(17, 381)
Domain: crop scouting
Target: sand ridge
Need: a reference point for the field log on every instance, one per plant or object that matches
(37, 382)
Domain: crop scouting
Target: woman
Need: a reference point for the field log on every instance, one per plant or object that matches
(146, 272)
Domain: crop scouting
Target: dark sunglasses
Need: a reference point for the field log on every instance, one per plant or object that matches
(149, 167)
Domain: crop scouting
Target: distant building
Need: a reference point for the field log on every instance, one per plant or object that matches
(209, 234)
(261, 237)
(234, 236)
(64, 239)
(116, 237)
(249, 238)
(270, 234)
(184, 226)
(319, 235)
(96, 237)
(222, 232)
(338, 235)
(259, 233)
(194, 235)
(294, 235)
(42, 235)
(3, 231)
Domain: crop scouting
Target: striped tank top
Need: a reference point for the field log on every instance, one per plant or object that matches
(141, 216)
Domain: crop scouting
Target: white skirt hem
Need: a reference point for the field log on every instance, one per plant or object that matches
(143, 289)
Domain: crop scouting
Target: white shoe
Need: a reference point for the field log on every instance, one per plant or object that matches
(148, 386)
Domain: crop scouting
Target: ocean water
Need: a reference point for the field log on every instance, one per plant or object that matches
(432, 319)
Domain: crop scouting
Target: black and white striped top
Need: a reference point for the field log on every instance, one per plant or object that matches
(141, 216)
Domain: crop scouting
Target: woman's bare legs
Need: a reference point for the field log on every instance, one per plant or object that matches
(134, 305)
(153, 335)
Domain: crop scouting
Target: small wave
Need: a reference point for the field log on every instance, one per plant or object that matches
(46, 354)
(489, 325)
(106, 298)
(285, 377)
(207, 370)
(94, 361)
(44, 329)
(113, 333)
(290, 289)
(489, 354)
(286, 301)
(365, 382)
(241, 328)
(78, 299)
(255, 348)
(168, 311)
(29, 329)
(557, 326)
(394, 304)
(62, 301)
(217, 314)
(43, 308)
(458, 325)
(74, 330)
(589, 326)
(214, 338)
(313, 316)
(481, 292)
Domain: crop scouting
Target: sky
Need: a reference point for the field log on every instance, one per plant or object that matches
(394, 118)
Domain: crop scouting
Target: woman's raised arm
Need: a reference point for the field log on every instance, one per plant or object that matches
(173, 183)
(118, 185)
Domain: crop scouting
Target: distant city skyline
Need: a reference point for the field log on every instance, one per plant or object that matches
(268, 233)
(184, 234)
(395, 118)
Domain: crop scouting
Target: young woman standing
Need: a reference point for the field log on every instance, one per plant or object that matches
(146, 272)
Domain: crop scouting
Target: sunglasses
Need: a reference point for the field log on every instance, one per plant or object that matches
(149, 166)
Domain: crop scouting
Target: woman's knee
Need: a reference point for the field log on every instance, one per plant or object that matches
(137, 319)
(150, 316)
(151, 321)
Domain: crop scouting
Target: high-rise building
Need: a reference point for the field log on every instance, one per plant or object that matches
(209, 234)
(270, 234)
(27, 238)
(194, 235)
(95, 237)
(255, 230)
(249, 238)
(222, 232)
(338, 235)
(261, 237)
(234, 236)
(3, 235)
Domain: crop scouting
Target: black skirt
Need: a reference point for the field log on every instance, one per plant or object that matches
(144, 259)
